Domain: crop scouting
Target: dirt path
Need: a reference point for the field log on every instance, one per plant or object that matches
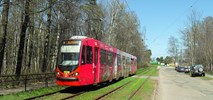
(180, 86)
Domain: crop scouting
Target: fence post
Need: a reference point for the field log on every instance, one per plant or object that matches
(25, 83)
(46, 81)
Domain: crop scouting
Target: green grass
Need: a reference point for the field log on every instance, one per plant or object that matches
(151, 70)
(211, 73)
(146, 92)
(31, 93)
(93, 94)
(123, 93)
(187, 73)
(141, 70)
(155, 71)
(206, 78)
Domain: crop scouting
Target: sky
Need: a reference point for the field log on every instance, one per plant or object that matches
(161, 19)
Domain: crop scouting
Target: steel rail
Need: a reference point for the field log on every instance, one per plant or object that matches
(112, 91)
(141, 86)
(35, 97)
(72, 96)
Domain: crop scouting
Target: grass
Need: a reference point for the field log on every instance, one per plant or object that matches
(31, 93)
(144, 93)
(147, 92)
(123, 93)
(93, 94)
(211, 73)
(206, 78)
(155, 71)
(151, 70)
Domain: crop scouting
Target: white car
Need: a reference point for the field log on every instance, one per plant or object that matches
(187, 69)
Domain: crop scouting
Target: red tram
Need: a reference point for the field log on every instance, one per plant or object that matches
(86, 61)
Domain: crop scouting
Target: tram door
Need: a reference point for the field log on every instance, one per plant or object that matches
(96, 76)
(89, 62)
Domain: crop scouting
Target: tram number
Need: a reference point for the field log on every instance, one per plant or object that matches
(66, 72)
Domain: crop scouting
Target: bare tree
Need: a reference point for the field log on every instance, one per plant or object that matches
(122, 32)
(173, 48)
(33, 36)
(206, 42)
(94, 19)
(191, 36)
(24, 26)
(4, 31)
(46, 43)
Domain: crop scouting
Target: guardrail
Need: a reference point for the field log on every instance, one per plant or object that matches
(26, 81)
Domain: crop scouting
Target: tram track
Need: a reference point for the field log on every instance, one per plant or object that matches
(72, 96)
(75, 94)
(150, 72)
(40, 96)
(112, 91)
(141, 87)
(55, 93)
(69, 92)
(133, 93)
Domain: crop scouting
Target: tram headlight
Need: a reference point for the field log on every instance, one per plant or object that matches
(58, 74)
(75, 74)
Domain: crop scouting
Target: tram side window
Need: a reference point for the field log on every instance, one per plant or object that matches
(83, 56)
(132, 61)
(129, 61)
(89, 54)
(109, 58)
(96, 55)
(103, 57)
(119, 60)
(124, 61)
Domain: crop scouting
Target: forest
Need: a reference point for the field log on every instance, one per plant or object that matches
(32, 30)
(196, 44)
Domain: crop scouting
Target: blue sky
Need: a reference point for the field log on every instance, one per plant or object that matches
(165, 18)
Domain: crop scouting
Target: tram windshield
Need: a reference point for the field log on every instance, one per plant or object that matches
(69, 58)
(69, 54)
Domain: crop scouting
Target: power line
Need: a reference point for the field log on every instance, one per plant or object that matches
(127, 5)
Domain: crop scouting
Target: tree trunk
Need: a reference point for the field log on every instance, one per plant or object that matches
(31, 38)
(46, 43)
(57, 41)
(24, 26)
(4, 31)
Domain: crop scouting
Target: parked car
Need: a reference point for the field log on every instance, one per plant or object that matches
(197, 70)
(187, 69)
(180, 69)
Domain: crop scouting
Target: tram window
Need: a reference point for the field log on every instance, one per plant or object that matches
(96, 55)
(109, 58)
(89, 54)
(103, 57)
(132, 61)
(83, 56)
(129, 61)
(123, 61)
(119, 60)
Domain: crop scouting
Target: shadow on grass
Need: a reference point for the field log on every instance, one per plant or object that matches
(88, 88)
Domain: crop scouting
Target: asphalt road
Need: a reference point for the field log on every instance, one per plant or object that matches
(174, 85)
